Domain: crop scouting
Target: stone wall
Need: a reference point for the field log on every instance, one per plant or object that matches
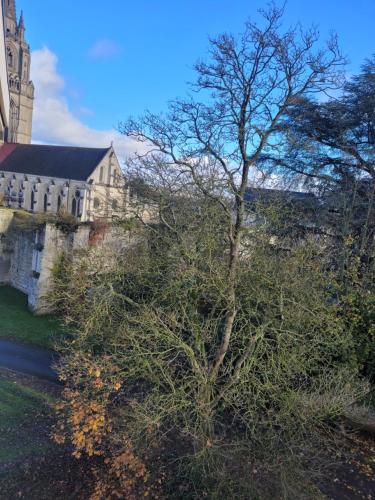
(21, 276)
(55, 243)
(6, 246)
(28, 255)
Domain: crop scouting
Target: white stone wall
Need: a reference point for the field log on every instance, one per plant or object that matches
(106, 195)
(17, 189)
(55, 243)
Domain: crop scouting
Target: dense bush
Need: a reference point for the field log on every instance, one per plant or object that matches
(137, 367)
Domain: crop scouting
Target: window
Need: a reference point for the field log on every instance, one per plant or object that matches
(114, 204)
(109, 174)
(45, 203)
(101, 174)
(59, 203)
(116, 178)
(74, 207)
(13, 121)
(96, 203)
(10, 58)
(32, 202)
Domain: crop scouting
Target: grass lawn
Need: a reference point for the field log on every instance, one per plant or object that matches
(18, 323)
(21, 407)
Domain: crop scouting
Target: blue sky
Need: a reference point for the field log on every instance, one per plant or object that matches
(110, 59)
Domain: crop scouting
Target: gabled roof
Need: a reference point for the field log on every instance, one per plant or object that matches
(51, 161)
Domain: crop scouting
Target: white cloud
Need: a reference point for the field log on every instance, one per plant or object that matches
(54, 122)
(82, 111)
(104, 49)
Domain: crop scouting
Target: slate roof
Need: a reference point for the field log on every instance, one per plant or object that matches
(253, 195)
(51, 161)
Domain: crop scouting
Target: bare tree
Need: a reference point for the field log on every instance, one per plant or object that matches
(214, 144)
(205, 340)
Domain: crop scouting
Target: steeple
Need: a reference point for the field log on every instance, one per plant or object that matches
(21, 27)
(21, 89)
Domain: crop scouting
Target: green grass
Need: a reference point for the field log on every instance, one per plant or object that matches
(23, 412)
(18, 323)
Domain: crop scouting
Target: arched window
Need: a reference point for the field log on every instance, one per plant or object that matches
(59, 203)
(101, 174)
(74, 207)
(109, 174)
(13, 121)
(10, 58)
(45, 203)
(32, 201)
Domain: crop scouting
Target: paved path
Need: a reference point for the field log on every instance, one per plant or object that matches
(27, 359)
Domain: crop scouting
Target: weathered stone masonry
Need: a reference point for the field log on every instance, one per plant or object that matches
(27, 257)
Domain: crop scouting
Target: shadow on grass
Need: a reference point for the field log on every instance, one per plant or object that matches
(18, 323)
(32, 466)
(24, 420)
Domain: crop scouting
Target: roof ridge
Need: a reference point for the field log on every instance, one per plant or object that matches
(59, 146)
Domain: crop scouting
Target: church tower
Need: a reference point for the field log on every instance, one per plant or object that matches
(20, 87)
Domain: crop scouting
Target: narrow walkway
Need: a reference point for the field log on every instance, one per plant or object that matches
(27, 359)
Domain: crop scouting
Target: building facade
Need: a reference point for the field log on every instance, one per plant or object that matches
(86, 182)
(4, 90)
(21, 89)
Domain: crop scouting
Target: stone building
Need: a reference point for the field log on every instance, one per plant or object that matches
(4, 90)
(86, 182)
(20, 87)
